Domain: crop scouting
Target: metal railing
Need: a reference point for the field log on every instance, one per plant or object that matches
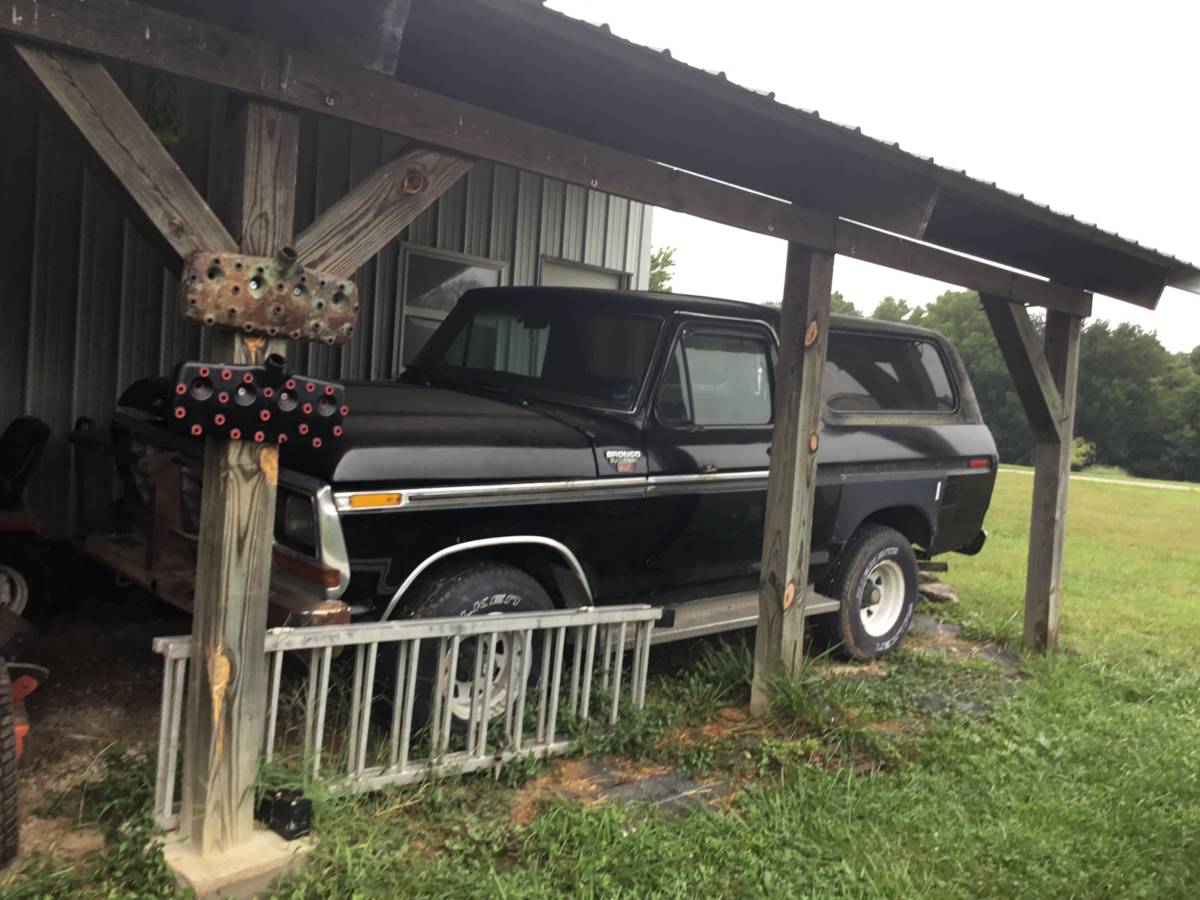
(407, 692)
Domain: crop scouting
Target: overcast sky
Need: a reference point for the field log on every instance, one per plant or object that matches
(1089, 107)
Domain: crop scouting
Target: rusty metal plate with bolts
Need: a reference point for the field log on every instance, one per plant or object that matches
(273, 296)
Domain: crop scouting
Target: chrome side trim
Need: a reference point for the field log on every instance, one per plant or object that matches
(480, 495)
(519, 539)
(708, 483)
(566, 491)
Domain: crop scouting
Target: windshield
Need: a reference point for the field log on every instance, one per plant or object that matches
(561, 352)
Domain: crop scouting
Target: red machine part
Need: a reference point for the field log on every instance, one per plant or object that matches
(22, 687)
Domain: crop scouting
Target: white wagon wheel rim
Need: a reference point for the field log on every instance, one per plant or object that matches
(506, 655)
(14, 590)
(883, 598)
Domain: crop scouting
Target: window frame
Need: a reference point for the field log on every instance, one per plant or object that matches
(896, 416)
(403, 308)
(624, 278)
(721, 325)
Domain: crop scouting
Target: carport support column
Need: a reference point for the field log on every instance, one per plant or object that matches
(227, 687)
(1052, 469)
(791, 486)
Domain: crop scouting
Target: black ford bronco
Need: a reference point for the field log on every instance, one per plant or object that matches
(560, 447)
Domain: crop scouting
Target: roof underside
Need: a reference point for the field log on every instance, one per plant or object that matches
(523, 60)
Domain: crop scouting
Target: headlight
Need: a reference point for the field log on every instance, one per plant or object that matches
(298, 528)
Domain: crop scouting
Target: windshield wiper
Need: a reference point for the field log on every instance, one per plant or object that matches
(498, 388)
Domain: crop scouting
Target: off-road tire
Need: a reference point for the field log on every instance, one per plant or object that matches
(466, 589)
(870, 546)
(10, 824)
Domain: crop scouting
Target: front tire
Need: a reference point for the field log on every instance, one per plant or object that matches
(876, 582)
(472, 589)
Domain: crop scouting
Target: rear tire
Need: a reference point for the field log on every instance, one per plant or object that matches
(876, 582)
(472, 589)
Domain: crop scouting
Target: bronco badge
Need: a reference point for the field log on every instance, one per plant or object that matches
(624, 461)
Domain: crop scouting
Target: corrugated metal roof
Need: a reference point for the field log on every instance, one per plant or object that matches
(855, 132)
(971, 215)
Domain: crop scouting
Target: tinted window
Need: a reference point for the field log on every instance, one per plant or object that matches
(717, 379)
(865, 373)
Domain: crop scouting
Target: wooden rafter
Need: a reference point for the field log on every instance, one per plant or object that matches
(881, 248)
(125, 147)
(124, 30)
(1021, 348)
(366, 33)
(358, 226)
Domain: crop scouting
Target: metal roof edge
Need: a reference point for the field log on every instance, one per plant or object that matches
(1180, 273)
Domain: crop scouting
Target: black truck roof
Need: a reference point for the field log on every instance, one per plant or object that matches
(665, 303)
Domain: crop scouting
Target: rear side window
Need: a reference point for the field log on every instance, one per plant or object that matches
(873, 373)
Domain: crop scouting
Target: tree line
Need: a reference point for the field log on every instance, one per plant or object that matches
(1138, 406)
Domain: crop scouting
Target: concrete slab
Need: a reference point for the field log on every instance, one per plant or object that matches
(247, 871)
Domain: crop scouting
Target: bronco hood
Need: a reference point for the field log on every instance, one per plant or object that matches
(408, 434)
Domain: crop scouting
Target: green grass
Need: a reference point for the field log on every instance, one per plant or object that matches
(1081, 778)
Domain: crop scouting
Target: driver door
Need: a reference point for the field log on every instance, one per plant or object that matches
(708, 434)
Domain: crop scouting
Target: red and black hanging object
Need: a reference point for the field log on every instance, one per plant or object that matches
(271, 296)
(263, 404)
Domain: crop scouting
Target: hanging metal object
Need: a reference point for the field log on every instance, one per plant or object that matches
(264, 404)
(271, 296)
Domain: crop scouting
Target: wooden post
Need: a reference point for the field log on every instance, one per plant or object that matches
(791, 486)
(228, 681)
(1052, 468)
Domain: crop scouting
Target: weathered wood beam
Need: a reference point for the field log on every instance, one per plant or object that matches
(792, 482)
(121, 29)
(227, 692)
(1052, 470)
(881, 248)
(1021, 348)
(366, 33)
(358, 226)
(125, 148)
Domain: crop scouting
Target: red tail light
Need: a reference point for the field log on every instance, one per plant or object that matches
(979, 462)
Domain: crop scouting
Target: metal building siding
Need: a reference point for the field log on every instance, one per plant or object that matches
(87, 305)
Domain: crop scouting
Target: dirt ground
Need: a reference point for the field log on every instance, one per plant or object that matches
(104, 689)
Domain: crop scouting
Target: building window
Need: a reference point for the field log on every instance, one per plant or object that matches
(433, 282)
(563, 273)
